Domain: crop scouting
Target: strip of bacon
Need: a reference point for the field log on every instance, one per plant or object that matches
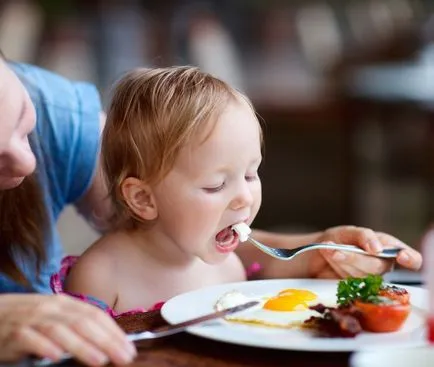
(341, 322)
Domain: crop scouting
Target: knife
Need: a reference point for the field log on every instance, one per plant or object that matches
(160, 332)
(176, 328)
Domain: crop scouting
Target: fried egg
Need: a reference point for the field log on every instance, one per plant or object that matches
(287, 309)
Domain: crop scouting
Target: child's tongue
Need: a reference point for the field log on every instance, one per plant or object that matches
(225, 236)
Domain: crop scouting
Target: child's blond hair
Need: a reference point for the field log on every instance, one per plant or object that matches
(153, 114)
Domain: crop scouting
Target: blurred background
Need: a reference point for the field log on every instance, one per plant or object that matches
(345, 89)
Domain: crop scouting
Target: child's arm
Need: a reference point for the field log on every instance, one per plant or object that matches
(94, 274)
(326, 263)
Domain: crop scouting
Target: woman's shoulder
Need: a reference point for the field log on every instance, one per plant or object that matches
(48, 88)
(67, 134)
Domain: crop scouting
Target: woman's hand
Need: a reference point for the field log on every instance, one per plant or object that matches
(48, 326)
(333, 264)
(328, 263)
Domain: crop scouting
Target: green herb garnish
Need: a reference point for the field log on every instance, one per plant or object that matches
(365, 289)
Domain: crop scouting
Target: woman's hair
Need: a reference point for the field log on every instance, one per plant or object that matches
(23, 228)
(154, 113)
(23, 225)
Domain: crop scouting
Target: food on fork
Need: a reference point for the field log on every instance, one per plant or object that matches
(242, 230)
(364, 304)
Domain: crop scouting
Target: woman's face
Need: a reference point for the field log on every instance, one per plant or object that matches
(17, 120)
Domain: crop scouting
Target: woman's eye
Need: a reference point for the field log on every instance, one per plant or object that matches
(214, 189)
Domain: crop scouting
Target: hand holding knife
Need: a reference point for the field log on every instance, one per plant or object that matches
(161, 331)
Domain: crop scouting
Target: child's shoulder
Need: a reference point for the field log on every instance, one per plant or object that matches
(94, 272)
(99, 261)
(108, 248)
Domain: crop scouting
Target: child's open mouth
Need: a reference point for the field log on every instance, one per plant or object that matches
(226, 240)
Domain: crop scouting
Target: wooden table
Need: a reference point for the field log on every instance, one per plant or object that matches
(187, 350)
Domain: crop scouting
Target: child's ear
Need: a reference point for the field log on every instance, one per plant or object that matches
(138, 196)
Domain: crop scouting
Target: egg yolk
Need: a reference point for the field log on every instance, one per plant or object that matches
(301, 293)
(290, 300)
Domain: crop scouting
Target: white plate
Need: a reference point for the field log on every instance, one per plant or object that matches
(420, 357)
(200, 302)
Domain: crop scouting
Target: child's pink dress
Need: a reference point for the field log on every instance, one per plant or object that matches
(57, 280)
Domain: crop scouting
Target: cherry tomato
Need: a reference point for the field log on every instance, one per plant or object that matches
(395, 293)
(382, 317)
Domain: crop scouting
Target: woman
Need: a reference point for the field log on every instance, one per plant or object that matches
(56, 123)
(30, 203)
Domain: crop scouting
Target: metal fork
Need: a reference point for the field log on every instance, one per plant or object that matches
(289, 254)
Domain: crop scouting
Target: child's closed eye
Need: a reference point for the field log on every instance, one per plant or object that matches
(214, 189)
(252, 177)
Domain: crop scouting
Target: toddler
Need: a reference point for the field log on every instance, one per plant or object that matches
(181, 151)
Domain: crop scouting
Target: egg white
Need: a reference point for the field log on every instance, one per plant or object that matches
(263, 317)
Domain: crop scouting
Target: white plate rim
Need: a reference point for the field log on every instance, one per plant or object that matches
(170, 312)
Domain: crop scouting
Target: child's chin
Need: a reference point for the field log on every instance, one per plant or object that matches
(215, 258)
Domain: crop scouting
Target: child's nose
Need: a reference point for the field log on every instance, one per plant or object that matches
(243, 198)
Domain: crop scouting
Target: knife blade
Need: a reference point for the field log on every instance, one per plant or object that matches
(176, 328)
(161, 331)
